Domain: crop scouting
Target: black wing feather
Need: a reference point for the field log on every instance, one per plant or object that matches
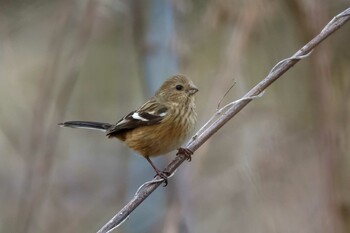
(150, 113)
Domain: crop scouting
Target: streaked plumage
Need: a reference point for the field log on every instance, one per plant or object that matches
(160, 125)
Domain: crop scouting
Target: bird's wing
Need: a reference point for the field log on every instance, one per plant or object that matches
(152, 112)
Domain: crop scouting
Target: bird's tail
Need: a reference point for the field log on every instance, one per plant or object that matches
(86, 125)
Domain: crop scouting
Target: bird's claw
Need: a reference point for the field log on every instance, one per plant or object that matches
(163, 175)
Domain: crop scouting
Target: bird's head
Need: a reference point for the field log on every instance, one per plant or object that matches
(177, 89)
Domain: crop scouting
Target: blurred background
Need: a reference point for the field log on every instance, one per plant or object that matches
(281, 165)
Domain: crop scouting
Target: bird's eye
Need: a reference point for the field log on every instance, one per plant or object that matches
(179, 87)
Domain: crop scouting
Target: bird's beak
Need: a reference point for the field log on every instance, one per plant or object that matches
(193, 89)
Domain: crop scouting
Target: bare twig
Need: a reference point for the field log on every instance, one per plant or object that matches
(228, 90)
(219, 112)
(229, 112)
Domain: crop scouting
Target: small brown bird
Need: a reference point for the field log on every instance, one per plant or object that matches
(159, 126)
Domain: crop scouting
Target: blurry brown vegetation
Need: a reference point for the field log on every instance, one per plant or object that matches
(282, 165)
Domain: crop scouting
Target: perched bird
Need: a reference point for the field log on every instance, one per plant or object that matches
(160, 125)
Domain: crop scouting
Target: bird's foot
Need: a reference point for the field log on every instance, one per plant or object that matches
(163, 175)
(186, 152)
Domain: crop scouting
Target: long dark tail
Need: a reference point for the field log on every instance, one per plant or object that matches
(86, 125)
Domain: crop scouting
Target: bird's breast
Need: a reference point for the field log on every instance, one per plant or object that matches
(164, 137)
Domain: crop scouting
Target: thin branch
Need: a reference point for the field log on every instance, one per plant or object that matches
(223, 97)
(228, 114)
